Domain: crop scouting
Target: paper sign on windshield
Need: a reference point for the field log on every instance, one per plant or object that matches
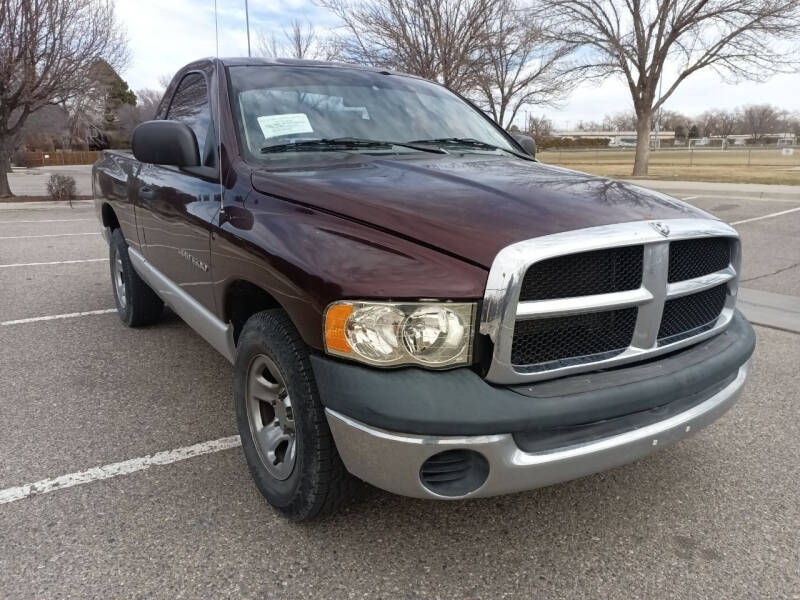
(277, 125)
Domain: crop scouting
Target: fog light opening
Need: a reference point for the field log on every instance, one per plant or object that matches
(454, 472)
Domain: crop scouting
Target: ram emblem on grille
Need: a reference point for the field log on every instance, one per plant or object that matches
(660, 228)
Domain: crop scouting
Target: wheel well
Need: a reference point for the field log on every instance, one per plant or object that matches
(109, 217)
(244, 299)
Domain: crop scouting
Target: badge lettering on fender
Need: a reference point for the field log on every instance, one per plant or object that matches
(192, 259)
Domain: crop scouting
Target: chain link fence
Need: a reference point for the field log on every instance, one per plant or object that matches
(751, 156)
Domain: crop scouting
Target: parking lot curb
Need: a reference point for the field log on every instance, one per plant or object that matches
(44, 204)
(771, 310)
(749, 191)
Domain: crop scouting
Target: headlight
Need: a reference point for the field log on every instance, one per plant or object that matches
(432, 334)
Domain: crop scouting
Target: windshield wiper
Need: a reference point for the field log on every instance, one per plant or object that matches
(470, 143)
(343, 143)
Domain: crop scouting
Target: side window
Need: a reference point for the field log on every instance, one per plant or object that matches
(190, 105)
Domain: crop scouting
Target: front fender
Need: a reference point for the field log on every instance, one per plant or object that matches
(307, 258)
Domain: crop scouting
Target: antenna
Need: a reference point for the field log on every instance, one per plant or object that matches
(219, 75)
(247, 24)
(216, 29)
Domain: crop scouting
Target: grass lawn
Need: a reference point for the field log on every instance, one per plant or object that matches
(729, 166)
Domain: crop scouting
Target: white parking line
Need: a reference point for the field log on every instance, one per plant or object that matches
(690, 197)
(769, 216)
(49, 235)
(57, 262)
(125, 467)
(46, 221)
(55, 317)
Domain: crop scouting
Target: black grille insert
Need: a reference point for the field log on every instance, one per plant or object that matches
(690, 315)
(579, 338)
(596, 272)
(694, 258)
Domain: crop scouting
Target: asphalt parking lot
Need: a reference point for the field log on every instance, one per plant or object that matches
(716, 516)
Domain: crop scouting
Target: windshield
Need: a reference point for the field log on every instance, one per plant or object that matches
(278, 107)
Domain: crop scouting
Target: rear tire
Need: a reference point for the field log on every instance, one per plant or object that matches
(285, 436)
(137, 304)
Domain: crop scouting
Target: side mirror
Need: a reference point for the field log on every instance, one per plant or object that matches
(165, 143)
(527, 142)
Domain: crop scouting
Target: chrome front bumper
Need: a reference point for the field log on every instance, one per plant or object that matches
(392, 461)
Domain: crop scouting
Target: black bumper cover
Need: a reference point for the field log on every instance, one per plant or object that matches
(459, 402)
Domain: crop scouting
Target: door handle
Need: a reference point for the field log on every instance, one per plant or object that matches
(146, 193)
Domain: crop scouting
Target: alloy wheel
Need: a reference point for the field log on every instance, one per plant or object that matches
(269, 412)
(119, 281)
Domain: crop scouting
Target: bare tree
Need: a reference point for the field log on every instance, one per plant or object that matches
(299, 40)
(443, 40)
(794, 125)
(96, 107)
(717, 122)
(46, 129)
(741, 39)
(165, 79)
(147, 101)
(519, 65)
(708, 122)
(540, 127)
(621, 121)
(302, 38)
(759, 119)
(268, 45)
(594, 125)
(47, 49)
(727, 123)
(671, 119)
(788, 122)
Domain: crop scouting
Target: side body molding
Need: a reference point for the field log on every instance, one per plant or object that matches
(198, 317)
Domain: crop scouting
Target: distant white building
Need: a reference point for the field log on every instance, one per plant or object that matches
(782, 139)
(617, 139)
(627, 139)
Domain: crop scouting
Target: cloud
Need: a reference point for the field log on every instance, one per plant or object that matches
(165, 35)
(701, 91)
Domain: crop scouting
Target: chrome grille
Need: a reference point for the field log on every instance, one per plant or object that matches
(603, 296)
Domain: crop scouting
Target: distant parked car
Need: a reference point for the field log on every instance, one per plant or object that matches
(622, 142)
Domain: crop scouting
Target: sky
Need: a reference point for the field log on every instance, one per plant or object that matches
(166, 34)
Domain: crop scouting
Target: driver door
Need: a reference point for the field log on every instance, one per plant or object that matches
(177, 206)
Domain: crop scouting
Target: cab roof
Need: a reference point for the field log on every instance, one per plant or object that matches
(295, 62)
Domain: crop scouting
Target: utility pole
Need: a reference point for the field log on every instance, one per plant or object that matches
(247, 23)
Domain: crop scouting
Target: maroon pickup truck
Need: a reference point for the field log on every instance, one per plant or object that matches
(408, 296)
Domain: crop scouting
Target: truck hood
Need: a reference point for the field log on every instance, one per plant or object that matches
(470, 206)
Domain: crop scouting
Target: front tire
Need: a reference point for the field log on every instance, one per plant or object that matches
(285, 436)
(137, 304)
